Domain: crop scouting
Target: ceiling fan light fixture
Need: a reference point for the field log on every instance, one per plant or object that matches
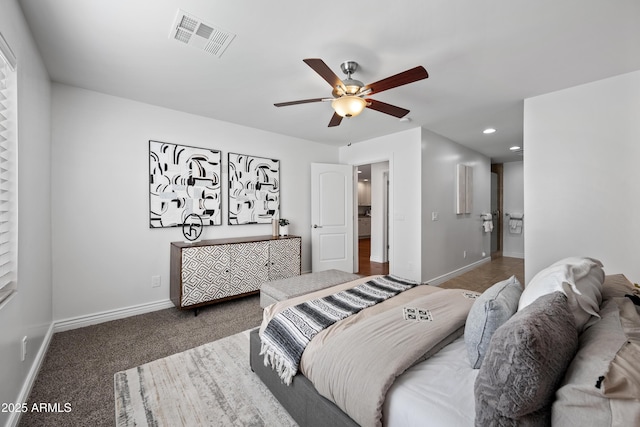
(352, 86)
(348, 105)
(349, 94)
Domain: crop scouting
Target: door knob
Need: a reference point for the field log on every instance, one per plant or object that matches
(317, 226)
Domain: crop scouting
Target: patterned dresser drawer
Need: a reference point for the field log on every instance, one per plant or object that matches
(216, 270)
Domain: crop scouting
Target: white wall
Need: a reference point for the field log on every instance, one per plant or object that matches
(377, 211)
(28, 312)
(581, 175)
(422, 177)
(513, 202)
(444, 241)
(104, 251)
(402, 150)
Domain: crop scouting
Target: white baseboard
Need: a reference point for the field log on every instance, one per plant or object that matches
(74, 323)
(14, 418)
(441, 279)
(106, 316)
(513, 255)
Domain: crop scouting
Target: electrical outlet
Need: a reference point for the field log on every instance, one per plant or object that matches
(464, 254)
(23, 349)
(155, 281)
(434, 216)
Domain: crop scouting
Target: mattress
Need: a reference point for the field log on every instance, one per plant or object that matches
(422, 395)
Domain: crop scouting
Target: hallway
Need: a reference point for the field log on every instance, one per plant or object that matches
(478, 279)
(365, 266)
(481, 278)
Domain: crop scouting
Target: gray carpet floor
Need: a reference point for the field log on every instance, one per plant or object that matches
(80, 364)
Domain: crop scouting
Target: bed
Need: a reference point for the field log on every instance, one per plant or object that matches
(489, 363)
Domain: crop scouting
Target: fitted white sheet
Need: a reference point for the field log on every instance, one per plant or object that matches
(437, 392)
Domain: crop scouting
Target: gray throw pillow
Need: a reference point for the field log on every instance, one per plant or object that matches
(494, 307)
(525, 363)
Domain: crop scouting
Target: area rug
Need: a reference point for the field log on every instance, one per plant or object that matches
(210, 385)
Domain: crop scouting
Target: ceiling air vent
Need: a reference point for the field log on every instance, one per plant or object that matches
(192, 31)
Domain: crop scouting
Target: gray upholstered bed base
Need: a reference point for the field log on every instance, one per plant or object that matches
(300, 399)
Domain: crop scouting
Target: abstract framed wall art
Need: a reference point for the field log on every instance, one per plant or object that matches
(254, 189)
(183, 181)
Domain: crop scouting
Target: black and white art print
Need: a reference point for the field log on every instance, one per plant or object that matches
(183, 181)
(254, 189)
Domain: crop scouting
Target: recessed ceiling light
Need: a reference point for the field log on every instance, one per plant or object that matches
(514, 148)
(488, 130)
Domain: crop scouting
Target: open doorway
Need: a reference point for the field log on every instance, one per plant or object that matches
(372, 222)
(496, 209)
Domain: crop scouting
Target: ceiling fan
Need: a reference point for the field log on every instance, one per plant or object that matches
(351, 96)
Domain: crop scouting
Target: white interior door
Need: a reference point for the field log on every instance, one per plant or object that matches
(332, 233)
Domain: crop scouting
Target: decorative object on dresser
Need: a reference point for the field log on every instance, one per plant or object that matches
(182, 181)
(192, 227)
(254, 189)
(216, 270)
(284, 226)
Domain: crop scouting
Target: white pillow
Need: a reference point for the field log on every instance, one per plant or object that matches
(579, 278)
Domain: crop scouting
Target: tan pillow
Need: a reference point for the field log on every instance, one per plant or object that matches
(617, 285)
(622, 380)
(601, 386)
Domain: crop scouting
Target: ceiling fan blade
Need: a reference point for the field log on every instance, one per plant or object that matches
(406, 77)
(302, 101)
(383, 107)
(336, 119)
(325, 72)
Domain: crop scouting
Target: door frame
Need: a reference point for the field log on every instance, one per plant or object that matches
(387, 223)
(385, 216)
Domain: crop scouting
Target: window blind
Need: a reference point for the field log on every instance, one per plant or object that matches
(8, 171)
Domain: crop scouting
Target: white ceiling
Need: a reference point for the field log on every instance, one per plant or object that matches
(483, 57)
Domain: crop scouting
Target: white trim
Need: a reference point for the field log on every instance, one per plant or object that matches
(7, 53)
(14, 417)
(440, 280)
(106, 316)
(375, 259)
(513, 255)
(74, 323)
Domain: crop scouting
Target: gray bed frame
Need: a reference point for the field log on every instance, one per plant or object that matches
(305, 405)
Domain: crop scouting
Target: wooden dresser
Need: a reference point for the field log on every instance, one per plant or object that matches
(216, 270)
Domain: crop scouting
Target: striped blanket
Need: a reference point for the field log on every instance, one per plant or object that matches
(288, 333)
